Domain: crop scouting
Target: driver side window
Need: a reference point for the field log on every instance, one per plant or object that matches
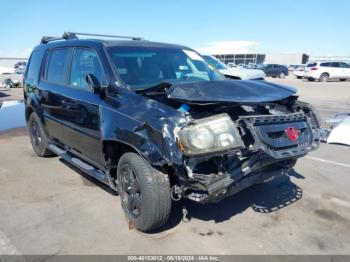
(85, 61)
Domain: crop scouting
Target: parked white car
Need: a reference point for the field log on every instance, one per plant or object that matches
(235, 72)
(299, 71)
(325, 70)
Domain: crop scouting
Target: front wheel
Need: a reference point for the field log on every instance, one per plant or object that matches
(282, 75)
(144, 191)
(299, 77)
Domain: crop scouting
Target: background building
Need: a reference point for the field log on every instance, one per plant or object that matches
(330, 58)
(245, 52)
(286, 58)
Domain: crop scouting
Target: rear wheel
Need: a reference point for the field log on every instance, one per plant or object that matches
(282, 75)
(144, 191)
(299, 77)
(38, 138)
(311, 79)
(324, 77)
(342, 80)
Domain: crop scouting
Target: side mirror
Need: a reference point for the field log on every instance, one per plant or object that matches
(93, 83)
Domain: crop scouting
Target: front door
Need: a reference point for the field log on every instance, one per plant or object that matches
(345, 70)
(82, 132)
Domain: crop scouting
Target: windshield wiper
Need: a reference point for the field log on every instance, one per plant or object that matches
(156, 89)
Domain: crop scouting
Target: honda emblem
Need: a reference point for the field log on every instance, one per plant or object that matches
(292, 133)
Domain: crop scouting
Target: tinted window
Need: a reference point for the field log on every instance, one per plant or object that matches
(85, 61)
(326, 64)
(311, 65)
(344, 65)
(335, 64)
(34, 66)
(57, 65)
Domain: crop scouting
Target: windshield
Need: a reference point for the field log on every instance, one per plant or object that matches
(215, 62)
(144, 67)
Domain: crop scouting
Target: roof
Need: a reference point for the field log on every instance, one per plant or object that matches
(111, 43)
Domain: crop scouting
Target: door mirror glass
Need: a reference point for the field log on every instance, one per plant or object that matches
(93, 83)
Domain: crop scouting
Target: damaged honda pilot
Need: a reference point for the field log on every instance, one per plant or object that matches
(157, 123)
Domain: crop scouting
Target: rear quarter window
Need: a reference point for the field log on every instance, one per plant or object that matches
(34, 66)
(311, 65)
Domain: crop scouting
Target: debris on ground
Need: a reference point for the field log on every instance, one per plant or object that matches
(339, 131)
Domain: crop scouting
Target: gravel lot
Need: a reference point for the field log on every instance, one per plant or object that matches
(47, 207)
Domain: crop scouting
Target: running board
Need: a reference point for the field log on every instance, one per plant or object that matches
(82, 165)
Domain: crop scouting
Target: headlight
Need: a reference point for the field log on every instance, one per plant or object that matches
(209, 135)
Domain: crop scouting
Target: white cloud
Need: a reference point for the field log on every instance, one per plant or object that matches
(229, 47)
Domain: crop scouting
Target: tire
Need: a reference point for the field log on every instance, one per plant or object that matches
(38, 138)
(144, 191)
(342, 80)
(299, 77)
(324, 77)
(282, 75)
(311, 79)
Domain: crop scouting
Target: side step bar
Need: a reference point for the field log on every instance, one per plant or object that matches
(82, 165)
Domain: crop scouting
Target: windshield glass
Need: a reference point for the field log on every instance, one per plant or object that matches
(215, 62)
(144, 67)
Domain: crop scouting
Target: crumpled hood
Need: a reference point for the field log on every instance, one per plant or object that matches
(243, 73)
(236, 91)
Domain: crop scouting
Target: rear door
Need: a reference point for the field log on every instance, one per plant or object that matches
(52, 89)
(82, 130)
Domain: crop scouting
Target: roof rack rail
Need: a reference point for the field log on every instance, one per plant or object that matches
(73, 35)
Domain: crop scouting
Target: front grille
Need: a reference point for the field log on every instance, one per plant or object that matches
(269, 133)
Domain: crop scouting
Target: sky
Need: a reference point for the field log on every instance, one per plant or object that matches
(317, 27)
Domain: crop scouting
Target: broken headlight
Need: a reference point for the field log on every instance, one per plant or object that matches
(209, 135)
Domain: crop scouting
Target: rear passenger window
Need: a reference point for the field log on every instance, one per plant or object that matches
(335, 64)
(85, 61)
(57, 66)
(34, 66)
(326, 64)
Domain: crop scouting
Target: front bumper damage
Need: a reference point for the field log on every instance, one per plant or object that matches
(269, 154)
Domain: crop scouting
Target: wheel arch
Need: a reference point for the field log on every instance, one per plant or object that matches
(113, 149)
(32, 105)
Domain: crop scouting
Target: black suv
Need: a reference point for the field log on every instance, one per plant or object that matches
(156, 123)
(275, 70)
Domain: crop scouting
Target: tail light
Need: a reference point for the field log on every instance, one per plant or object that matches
(313, 68)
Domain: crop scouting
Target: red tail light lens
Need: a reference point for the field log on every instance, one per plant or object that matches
(313, 68)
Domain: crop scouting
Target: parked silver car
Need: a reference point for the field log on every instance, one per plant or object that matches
(235, 72)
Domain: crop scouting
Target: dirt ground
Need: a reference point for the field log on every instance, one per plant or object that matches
(47, 207)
